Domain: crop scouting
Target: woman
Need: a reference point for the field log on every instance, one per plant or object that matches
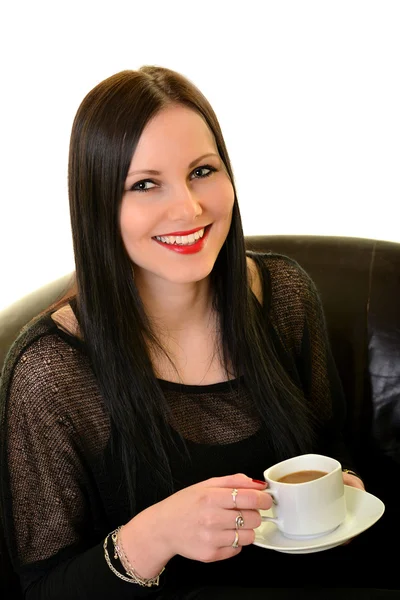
(139, 416)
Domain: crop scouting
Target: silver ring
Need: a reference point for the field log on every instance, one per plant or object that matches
(234, 494)
(236, 540)
(239, 520)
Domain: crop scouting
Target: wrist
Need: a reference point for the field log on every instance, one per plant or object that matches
(143, 546)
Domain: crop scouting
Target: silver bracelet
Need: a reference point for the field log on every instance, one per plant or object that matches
(133, 577)
(108, 561)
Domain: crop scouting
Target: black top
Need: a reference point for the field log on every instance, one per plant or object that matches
(63, 492)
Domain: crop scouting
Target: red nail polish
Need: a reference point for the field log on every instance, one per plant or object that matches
(258, 481)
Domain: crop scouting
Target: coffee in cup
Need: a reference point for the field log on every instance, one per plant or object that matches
(302, 476)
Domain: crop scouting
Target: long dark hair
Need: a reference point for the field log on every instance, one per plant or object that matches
(111, 316)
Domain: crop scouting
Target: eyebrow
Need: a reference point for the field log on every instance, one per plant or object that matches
(192, 164)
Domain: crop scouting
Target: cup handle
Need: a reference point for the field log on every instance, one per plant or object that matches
(275, 501)
(273, 494)
(272, 519)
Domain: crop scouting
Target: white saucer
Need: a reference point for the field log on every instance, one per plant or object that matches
(363, 510)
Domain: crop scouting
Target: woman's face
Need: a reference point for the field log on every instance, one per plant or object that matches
(177, 205)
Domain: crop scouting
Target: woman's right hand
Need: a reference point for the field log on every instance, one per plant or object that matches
(199, 522)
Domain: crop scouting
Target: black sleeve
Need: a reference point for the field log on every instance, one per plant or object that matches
(49, 501)
(84, 576)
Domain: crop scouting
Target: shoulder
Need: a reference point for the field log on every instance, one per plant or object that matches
(66, 320)
(38, 358)
(281, 278)
(28, 343)
(46, 380)
(289, 296)
(39, 343)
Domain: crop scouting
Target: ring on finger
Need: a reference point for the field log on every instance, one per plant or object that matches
(236, 540)
(239, 520)
(234, 494)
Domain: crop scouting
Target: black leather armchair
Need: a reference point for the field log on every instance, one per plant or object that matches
(359, 283)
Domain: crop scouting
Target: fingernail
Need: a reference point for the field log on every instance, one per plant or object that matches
(258, 481)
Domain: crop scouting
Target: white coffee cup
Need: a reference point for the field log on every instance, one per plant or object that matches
(309, 509)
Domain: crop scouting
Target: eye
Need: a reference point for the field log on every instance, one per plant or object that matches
(143, 186)
(202, 172)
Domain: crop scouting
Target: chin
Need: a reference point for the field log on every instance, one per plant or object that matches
(188, 275)
(177, 269)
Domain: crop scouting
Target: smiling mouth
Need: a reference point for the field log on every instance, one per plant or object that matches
(182, 240)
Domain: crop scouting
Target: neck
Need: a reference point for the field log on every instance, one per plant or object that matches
(176, 307)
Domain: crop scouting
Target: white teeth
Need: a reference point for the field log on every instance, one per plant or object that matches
(182, 240)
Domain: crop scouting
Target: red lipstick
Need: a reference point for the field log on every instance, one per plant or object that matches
(182, 232)
(187, 249)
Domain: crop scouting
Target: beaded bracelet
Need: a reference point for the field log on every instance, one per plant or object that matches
(133, 577)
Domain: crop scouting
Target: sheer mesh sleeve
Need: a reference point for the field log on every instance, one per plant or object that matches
(43, 450)
(297, 314)
(52, 426)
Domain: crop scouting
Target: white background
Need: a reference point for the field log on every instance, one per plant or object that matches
(307, 93)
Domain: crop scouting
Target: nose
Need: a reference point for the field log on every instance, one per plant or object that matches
(184, 205)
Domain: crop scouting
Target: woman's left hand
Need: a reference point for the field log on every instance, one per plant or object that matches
(356, 482)
(353, 481)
